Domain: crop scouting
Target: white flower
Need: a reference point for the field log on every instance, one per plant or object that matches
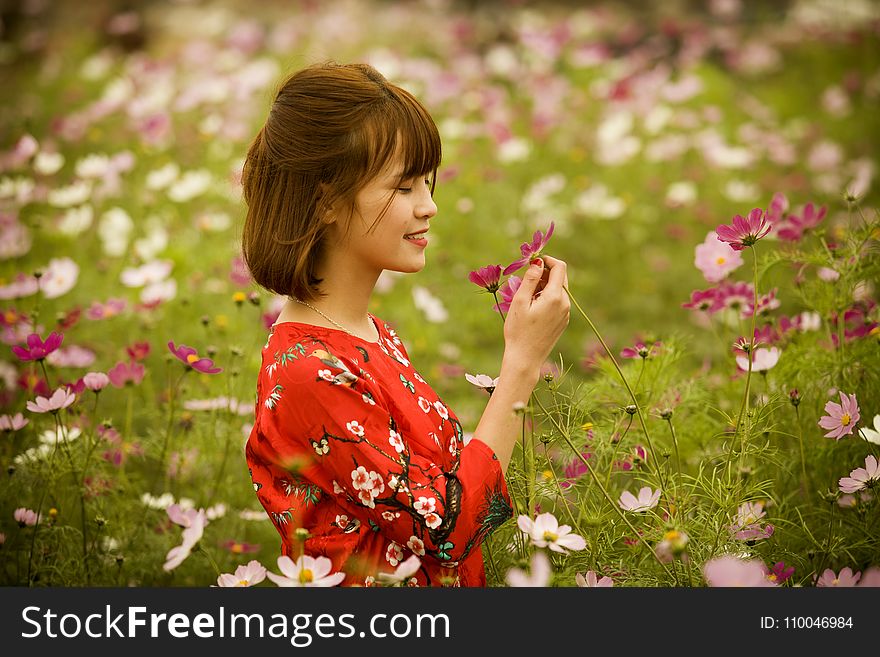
(482, 381)
(191, 184)
(321, 446)
(647, 499)
(253, 573)
(155, 271)
(393, 553)
(441, 410)
(161, 291)
(763, 360)
(430, 305)
(424, 404)
(872, 435)
(355, 428)
(395, 440)
(59, 277)
(114, 230)
(432, 520)
(403, 572)
(161, 178)
(46, 164)
(425, 505)
(162, 502)
(305, 571)
(76, 220)
(545, 531)
(95, 165)
(540, 576)
(417, 545)
(75, 194)
(326, 375)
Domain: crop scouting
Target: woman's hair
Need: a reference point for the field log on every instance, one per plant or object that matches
(331, 129)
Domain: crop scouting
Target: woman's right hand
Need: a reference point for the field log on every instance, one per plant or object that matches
(538, 314)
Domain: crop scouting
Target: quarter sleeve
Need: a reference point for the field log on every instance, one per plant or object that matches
(330, 427)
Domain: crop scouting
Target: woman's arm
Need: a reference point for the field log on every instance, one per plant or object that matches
(538, 315)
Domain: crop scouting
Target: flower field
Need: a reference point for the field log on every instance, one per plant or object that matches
(706, 169)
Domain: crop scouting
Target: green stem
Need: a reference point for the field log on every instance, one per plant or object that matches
(805, 479)
(172, 396)
(500, 312)
(677, 461)
(210, 560)
(603, 490)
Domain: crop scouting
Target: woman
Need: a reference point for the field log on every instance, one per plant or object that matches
(350, 443)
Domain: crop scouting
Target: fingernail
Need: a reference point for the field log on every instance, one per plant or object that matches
(537, 261)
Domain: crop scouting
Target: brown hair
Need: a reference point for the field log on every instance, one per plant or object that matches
(331, 129)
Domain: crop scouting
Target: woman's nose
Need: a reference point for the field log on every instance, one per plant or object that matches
(426, 208)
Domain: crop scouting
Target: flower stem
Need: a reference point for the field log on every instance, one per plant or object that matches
(168, 428)
(805, 479)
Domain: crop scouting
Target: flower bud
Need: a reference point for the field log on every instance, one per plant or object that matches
(631, 409)
(794, 397)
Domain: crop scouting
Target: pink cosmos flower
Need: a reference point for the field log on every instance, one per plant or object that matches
(96, 381)
(138, 351)
(189, 357)
(37, 349)
(12, 422)
(870, 577)
(742, 233)
(574, 470)
(483, 381)
(25, 517)
(487, 277)
(61, 398)
(646, 500)
(194, 523)
(716, 259)
(530, 250)
(123, 373)
(746, 524)
(841, 418)
(704, 300)
(591, 580)
(639, 350)
(253, 573)
(507, 292)
(305, 571)
(845, 578)
(545, 531)
(239, 272)
(540, 575)
(779, 573)
(106, 310)
(762, 360)
(72, 356)
(861, 478)
(728, 571)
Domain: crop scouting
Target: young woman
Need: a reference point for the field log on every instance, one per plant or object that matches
(350, 443)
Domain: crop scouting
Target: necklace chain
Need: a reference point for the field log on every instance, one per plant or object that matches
(329, 319)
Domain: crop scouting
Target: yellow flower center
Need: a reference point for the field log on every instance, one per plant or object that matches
(243, 582)
(237, 548)
(587, 426)
(845, 419)
(305, 576)
(771, 577)
(550, 537)
(720, 260)
(671, 535)
(192, 358)
(239, 297)
(547, 474)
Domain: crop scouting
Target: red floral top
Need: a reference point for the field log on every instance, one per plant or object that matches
(352, 444)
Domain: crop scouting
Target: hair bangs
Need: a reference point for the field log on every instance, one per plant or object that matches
(418, 138)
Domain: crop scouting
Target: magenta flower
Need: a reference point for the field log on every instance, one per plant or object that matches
(704, 300)
(488, 277)
(727, 571)
(639, 350)
(61, 398)
(861, 478)
(123, 373)
(646, 500)
(779, 573)
(12, 422)
(190, 357)
(37, 349)
(744, 232)
(507, 292)
(845, 578)
(841, 418)
(530, 250)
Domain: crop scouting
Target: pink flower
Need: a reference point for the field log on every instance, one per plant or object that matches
(845, 578)
(639, 350)
(861, 478)
(487, 277)
(763, 359)
(841, 418)
(483, 381)
(744, 232)
(72, 356)
(189, 357)
(123, 373)
(646, 500)
(507, 292)
(716, 259)
(106, 310)
(545, 531)
(253, 573)
(779, 573)
(591, 580)
(530, 250)
(870, 577)
(702, 300)
(746, 525)
(96, 381)
(194, 523)
(25, 517)
(61, 398)
(12, 422)
(239, 272)
(37, 349)
(727, 570)
(540, 576)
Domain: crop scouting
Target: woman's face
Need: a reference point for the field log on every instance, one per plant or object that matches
(399, 239)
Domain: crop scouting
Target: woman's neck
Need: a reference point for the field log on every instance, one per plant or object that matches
(347, 291)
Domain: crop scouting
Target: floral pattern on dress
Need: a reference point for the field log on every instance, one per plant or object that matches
(353, 445)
